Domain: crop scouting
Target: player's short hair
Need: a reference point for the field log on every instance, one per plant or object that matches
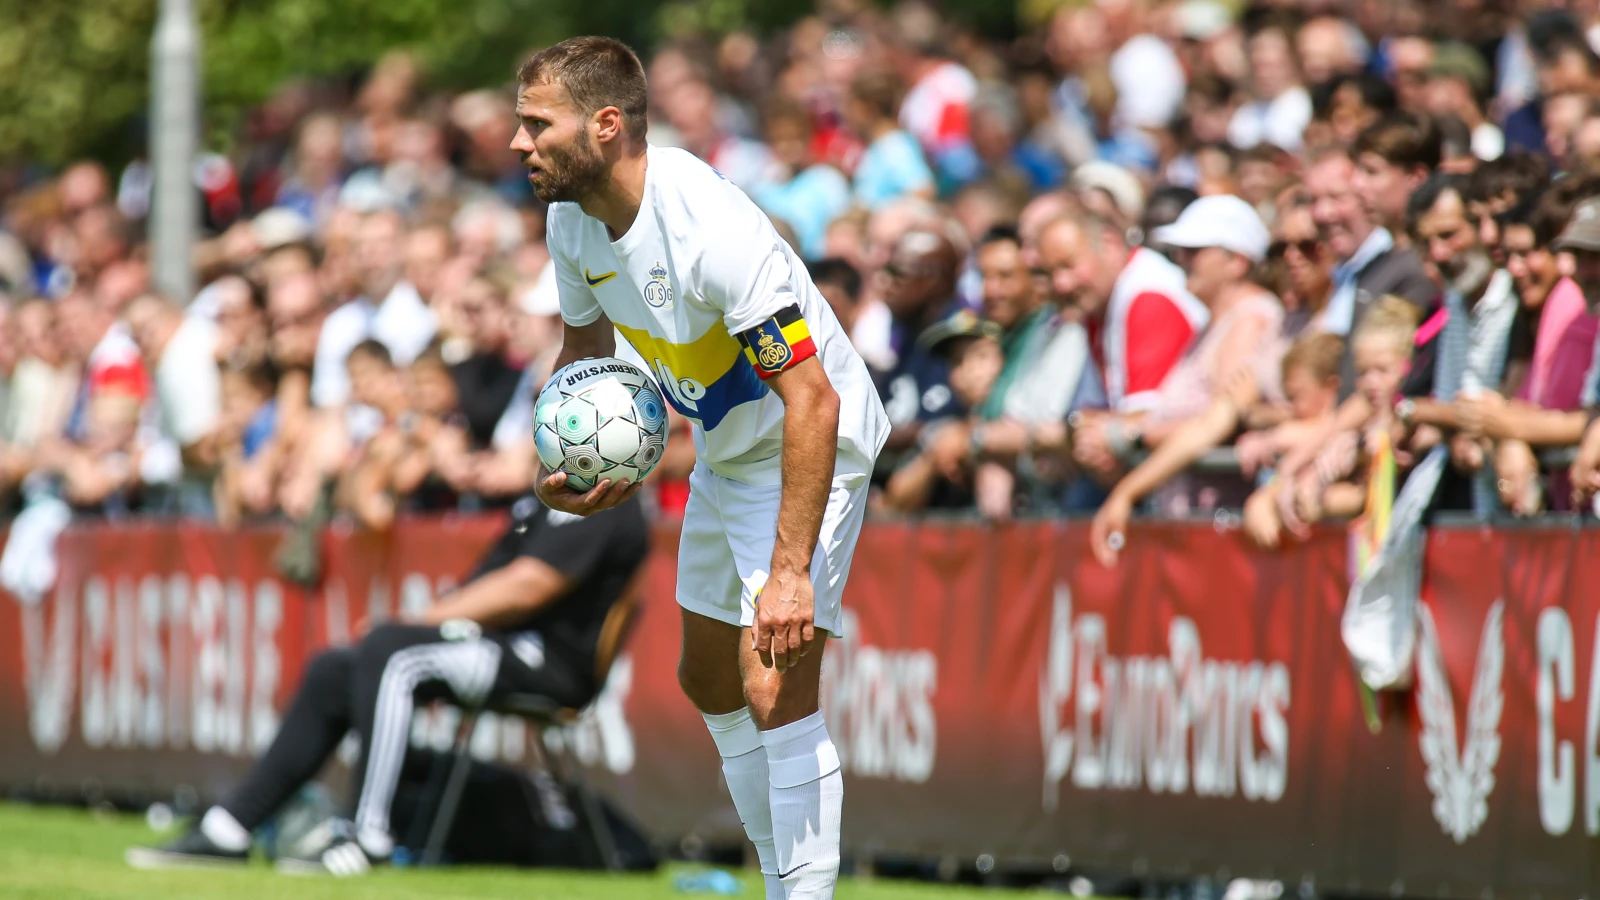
(598, 72)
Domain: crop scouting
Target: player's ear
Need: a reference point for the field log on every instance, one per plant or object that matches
(608, 124)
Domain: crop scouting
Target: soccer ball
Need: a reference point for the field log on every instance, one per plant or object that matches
(600, 418)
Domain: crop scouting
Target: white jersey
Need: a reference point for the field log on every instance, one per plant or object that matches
(715, 301)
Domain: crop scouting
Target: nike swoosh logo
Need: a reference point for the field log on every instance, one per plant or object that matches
(783, 875)
(600, 280)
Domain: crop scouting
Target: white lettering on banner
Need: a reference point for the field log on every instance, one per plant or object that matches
(1461, 780)
(157, 663)
(167, 661)
(1558, 768)
(1591, 806)
(1132, 717)
(879, 708)
(1557, 789)
(48, 668)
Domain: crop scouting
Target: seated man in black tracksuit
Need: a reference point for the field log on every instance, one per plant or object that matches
(527, 621)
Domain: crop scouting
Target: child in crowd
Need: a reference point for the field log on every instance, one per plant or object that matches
(940, 474)
(1311, 382)
(249, 420)
(1338, 488)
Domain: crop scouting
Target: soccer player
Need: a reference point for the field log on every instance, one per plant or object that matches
(787, 426)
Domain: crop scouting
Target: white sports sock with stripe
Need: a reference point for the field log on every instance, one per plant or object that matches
(744, 765)
(807, 803)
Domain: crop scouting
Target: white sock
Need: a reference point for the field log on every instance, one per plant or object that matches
(744, 765)
(377, 843)
(807, 805)
(221, 828)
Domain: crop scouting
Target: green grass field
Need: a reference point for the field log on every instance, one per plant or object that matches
(70, 853)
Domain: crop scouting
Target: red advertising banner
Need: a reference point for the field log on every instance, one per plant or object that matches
(1189, 712)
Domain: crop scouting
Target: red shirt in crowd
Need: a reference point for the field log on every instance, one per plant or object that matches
(1150, 321)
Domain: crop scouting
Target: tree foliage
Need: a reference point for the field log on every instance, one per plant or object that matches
(77, 71)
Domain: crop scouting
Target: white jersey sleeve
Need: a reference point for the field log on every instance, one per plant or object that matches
(578, 304)
(745, 271)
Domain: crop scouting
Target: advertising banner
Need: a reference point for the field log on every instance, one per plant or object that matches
(1192, 711)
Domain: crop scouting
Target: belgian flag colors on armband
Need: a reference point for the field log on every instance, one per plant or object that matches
(778, 343)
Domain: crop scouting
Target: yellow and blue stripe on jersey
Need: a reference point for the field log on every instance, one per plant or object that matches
(703, 379)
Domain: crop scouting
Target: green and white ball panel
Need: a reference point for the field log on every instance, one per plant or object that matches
(599, 419)
(548, 444)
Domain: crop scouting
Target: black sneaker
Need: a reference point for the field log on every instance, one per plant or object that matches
(330, 849)
(192, 851)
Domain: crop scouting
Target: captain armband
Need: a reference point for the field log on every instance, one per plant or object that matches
(779, 343)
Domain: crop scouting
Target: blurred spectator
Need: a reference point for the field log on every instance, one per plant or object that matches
(840, 285)
(808, 194)
(181, 351)
(1303, 267)
(1457, 82)
(388, 310)
(245, 429)
(1232, 365)
(892, 166)
(1543, 407)
(1279, 107)
(43, 386)
(921, 289)
(238, 309)
(1367, 264)
(486, 380)
(937, 105)
(940, 474)
(1393, 158)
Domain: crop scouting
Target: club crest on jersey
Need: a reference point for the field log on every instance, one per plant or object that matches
(778, 343)
(658, 291)
(771, 353)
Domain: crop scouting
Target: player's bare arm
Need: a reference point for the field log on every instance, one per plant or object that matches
(784, 626)
(597, 339)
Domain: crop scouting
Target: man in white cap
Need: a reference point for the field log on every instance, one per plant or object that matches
(1218, 240)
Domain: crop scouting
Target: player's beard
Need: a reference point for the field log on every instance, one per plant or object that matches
(570, 175)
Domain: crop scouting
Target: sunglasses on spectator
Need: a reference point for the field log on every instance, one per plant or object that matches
(1308, 247)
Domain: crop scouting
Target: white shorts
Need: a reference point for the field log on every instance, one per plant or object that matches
(726, 549)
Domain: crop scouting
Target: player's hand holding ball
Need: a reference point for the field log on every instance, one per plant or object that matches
(600, 427)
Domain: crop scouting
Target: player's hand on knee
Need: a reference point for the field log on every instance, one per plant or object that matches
(555, 493)
(784, 627)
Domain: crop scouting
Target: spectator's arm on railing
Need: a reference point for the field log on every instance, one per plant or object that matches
(1187, 443)
(1586, 466)
(1491, 416)
(1352, 414)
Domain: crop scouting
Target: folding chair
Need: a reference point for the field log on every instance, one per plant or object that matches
(541, 713)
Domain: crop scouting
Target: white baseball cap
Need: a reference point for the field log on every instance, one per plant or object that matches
(1218, 221)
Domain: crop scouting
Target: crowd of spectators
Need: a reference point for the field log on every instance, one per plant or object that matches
(1332, 234)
